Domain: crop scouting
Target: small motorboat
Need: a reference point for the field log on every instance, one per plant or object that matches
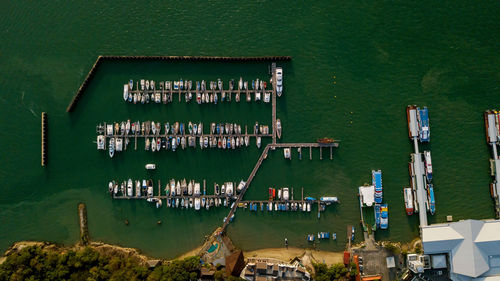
(258, 142)
(150, 166)
(147, 84)
(111, 147)
(278, 128)
(125, 92)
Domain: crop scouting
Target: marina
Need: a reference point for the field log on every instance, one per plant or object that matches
(168, 136)
(374, 213)
(100, 59)
(492, 127)
(158, 136)
(149, 91)
(421, 198)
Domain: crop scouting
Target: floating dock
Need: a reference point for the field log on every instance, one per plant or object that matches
(418, 177)
(44, 139)
(492, 126)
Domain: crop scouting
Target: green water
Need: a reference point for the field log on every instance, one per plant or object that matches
(383, 56)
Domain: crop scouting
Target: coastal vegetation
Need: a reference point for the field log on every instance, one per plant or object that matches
(37, 263)
(336, 271)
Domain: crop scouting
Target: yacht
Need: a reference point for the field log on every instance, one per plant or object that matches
(147, 84)
(279, 81)
(240, 83)
(101, 142)
(278, 128)
(197, 203)
(130, 190)
(258, 142)
(125, 92)
(150, 166)
(118, 144)
(172, 187)
(142, 84)
(137, 188)
(111, 147)
(197, 190)
(287, 153)
(190, 188)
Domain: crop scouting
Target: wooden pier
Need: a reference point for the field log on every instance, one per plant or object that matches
(44, 139)
(102, 58)
(242, 192)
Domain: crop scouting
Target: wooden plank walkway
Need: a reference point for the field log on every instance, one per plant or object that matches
(273, 82)
(242, 192)
(188, 135)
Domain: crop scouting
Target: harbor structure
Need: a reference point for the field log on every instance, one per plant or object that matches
(416, 166)
(463, 251)
(102, 58)
(492, 126)
(273, 269)
(44, 139)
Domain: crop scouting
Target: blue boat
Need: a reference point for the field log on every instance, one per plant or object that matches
(377, 215)
(218, 128)
(311, 238)
(377, 183)
(334, 236)
(384, 216)
(182, 128)
(310, 199)
(430, 197)
(352, 233)
(323, 235)
(423, 124)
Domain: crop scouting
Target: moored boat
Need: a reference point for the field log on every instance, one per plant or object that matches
(111, 147)
(428, 165)
(408, 196)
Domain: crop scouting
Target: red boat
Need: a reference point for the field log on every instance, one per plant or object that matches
(326, 140)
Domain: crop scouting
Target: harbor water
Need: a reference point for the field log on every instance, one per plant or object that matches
(355, 67)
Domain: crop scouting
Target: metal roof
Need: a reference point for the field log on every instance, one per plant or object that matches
(469, 243)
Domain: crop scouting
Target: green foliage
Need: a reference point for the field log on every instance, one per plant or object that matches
(418, 248)
(33, 263)
(335, 272)
(392, 248)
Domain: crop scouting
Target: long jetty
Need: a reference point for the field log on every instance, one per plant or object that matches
(44, 139)
(102, 58)
(491, 122)
(242, 192)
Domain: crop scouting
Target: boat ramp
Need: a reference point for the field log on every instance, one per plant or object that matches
(492, 126)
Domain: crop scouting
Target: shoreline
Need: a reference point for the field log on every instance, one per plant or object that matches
(284, 254)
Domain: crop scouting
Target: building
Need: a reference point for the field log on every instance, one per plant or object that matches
(469, 249)
(272, 269)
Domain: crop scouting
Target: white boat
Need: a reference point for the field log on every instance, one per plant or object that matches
(257, 96)
(111, 147)
(131, 84)
(287, 153)
(137, 188)
(125, 92)
(278, 128)
(142, 84)
(130, 191)
(197, 190)
(223, 189)
(172, 187)
(258, 142)
(119, 144)
(241, 185)
(229, 188)
(197, 204)
(279, 81)
(127, 127)
(101, 143)
(168, 85)
(190, 188)
(147, 84)
(428, 165)
(286, 194)
(152, 84)
(150, 189)
(150, 166)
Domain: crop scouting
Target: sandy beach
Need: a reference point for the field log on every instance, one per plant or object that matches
(306, 255)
